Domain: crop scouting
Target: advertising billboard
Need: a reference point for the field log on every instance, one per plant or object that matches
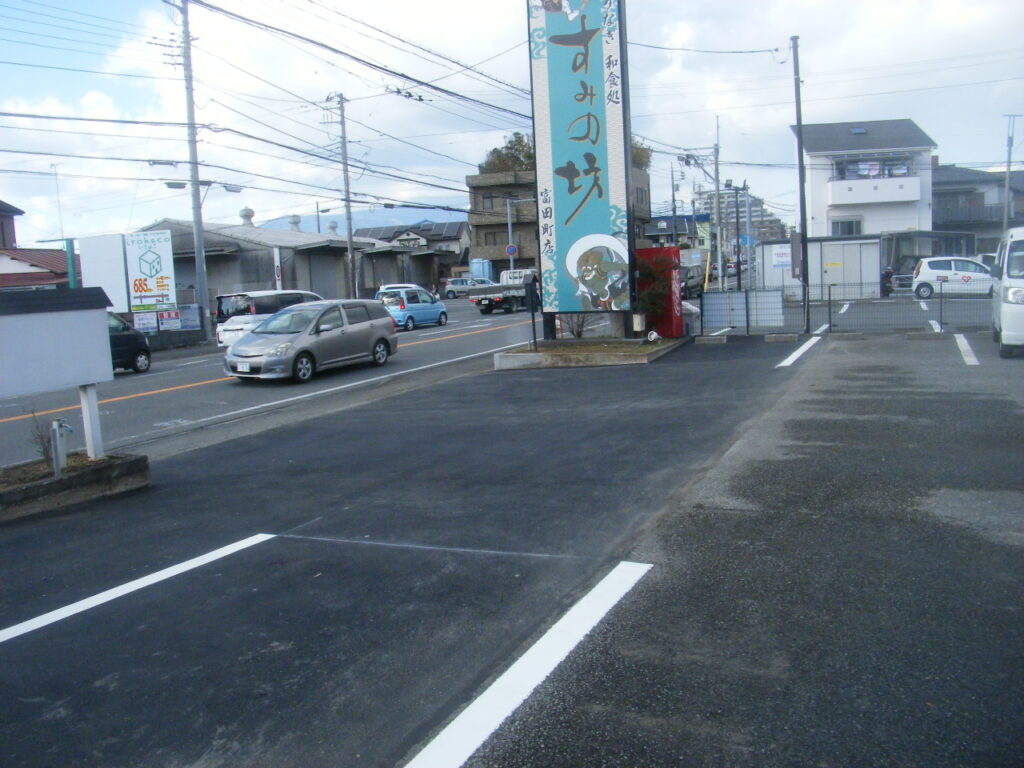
(582, 143)
(149, 259)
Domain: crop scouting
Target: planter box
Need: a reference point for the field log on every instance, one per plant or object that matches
(578, 354)
(110, 476)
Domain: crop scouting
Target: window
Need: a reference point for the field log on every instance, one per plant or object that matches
(488, 202)
(847, 227)
(356, 313)
(945, 265)
(331, 317)
(491, 238)
(266, 305)
(969, 266)
(412, 297)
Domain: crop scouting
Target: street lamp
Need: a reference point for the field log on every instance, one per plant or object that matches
(320, 210)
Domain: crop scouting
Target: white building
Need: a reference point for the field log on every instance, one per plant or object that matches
(867, 178)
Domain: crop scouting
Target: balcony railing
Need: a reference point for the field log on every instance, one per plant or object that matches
(966, 212)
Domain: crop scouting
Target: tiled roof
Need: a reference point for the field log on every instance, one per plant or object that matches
(275, 238)
(51, 259)
(870, 135)
(428, 230)
(954, 174)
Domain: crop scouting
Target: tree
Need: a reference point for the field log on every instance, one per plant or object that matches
(515, 155)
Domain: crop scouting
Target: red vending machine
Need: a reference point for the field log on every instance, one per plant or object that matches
(660, 291)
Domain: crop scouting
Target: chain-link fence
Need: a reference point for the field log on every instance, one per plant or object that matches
(859, 307)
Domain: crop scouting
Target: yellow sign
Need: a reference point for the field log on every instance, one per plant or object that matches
(831, 264)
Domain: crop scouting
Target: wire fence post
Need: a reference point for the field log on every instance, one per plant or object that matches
(702, 313)
(746, 306)
(942, 284)
(830, 307)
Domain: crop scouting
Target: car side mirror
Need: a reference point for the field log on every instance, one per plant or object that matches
(325, 327)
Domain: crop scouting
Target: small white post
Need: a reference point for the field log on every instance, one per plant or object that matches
(91, 420)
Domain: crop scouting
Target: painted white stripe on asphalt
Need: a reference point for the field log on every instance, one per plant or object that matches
(724, 330)
(924, 305)
(846, 306)
(351, 385)
(132, 586)
(464, 735)
(935, 326)
(796, 355)
(965, 350)
(822, 329)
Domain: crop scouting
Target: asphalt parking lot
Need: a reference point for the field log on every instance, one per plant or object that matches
(830, 570)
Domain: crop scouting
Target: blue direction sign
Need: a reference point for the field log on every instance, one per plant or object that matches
(511, 250)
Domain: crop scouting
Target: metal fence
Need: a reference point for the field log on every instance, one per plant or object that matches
(843, 307)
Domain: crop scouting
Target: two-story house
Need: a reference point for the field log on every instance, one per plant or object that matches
(967, 200)
(868, 177)
(425, 253)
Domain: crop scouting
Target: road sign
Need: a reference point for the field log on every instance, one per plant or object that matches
(748, 240)
(511, 250)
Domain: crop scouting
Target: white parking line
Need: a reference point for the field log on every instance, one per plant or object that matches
(846, 306)
(724, 330)
(464, 735)
(822, 329)
(965, 350)
(924, 305)
(796, 355)
(935, 326)
(116, 592)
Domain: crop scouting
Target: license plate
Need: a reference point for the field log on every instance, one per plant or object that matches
(243, 367)
(485, 301)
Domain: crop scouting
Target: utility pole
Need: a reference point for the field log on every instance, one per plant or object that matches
(794, 40)
(718, 217)
(675, 236)
(749, 232)
(202, 299)
(1009, 161)
(353, 264)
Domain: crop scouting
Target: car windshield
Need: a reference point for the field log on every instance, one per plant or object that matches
(288, 322)
(1015, 259)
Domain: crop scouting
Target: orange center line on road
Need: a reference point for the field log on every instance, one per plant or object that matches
(116, 399)
(229, 378)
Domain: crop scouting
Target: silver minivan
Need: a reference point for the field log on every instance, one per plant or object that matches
(306, 338)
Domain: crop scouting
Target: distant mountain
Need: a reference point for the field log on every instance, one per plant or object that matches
(381, 217)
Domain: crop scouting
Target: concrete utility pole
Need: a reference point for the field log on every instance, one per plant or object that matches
(202, 299)
(1009, 161)
(353, 264)
(675, 236)
(748, 248)
(803, 183)
(718, 217)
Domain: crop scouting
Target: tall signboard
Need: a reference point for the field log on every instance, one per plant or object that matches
(582, 142)
(150, 262)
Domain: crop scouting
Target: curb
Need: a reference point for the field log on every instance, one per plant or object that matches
(122, 473)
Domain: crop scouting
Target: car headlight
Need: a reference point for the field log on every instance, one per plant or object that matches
(1013, 295)
(280, 350)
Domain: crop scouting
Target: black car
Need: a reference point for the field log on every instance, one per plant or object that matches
(129, 348)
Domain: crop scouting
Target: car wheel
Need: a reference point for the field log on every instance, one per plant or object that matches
(924, 291)
(442, 319)
(304, 368)
(450, 294)
(140, 363)
(381, 352)
(409, 323)
(508, 307)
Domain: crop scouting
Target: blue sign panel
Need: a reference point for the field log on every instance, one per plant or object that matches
(583, 154)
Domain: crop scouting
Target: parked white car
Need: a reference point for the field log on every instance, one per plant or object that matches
(238, 313)
(953, 276)
(1008, 293)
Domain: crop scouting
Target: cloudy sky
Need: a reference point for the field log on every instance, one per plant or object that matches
(93, 94)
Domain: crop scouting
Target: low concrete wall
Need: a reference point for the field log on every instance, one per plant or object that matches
(117, 475)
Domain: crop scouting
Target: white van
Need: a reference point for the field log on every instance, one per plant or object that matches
(1008, 293)
(238, 313)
